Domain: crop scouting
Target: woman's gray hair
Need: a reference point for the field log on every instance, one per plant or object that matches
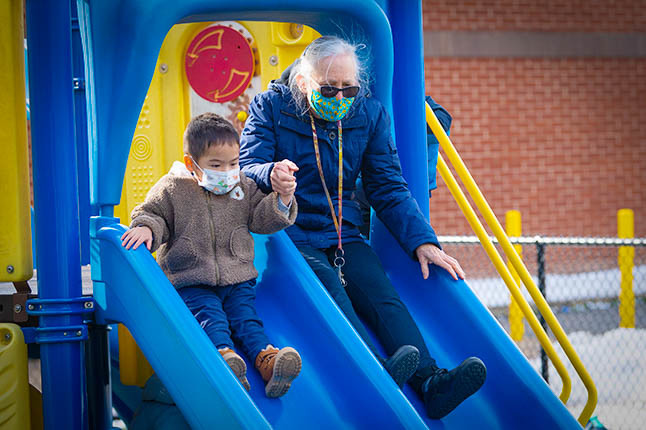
(320, 49)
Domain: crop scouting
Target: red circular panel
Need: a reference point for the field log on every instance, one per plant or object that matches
(219, 64)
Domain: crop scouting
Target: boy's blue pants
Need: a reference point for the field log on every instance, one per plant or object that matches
(228, 314)
(370, 294)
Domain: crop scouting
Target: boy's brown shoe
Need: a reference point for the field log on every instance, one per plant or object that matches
(237, 364)
(278, 369)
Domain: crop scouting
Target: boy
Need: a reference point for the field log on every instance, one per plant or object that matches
(199, 215)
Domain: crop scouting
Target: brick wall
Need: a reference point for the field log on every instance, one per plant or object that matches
(531, 15)
(561, 140)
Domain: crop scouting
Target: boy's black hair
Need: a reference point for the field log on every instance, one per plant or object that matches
(208, 129)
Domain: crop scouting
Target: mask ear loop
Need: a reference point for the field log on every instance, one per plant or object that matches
(195, 165)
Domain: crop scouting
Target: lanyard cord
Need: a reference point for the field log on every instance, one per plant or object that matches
(337, 222)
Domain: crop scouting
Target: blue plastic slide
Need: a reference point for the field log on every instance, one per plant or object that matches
(341, 385)
(455, 326)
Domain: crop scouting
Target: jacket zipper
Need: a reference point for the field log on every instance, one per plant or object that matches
(212, 228)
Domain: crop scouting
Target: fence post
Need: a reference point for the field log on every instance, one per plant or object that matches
(540, 256)
(626, 230)
(514, 229)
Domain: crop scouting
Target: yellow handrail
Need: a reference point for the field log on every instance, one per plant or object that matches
(517, 263)
(505, 274)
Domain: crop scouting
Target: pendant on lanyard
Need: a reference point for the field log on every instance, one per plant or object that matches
(339, 254)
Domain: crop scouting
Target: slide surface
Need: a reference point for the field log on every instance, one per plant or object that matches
(341, 385)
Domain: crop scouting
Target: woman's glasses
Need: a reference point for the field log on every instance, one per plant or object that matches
(330, 91)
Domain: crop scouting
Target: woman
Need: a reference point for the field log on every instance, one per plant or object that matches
(317, 126)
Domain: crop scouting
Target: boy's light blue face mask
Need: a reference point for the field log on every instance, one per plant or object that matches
(218, 182)
(330, 108)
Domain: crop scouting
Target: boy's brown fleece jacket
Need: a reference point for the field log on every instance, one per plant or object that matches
(204, 238)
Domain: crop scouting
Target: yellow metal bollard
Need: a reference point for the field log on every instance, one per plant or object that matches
(514, 229)
(626, 230)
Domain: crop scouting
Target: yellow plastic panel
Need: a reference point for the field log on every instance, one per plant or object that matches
(14, 379)
(157, 141)
(284, 44)
(15, 217)
(133, 366)
(169, 105)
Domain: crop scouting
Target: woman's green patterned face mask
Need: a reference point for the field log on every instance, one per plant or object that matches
(330, 108)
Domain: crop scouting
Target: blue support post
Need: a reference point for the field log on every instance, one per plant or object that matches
(408, 116)
(80, 121)
(408, 96)
(56, 205)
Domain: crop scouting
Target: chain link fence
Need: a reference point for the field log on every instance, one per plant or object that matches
(581, 280)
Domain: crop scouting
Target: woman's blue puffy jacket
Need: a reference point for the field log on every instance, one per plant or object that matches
(277, 130)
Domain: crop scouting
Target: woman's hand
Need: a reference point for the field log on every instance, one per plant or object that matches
(431, 254)
(136, 236)
(282, 177)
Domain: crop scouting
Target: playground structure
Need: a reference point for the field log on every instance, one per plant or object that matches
(123, 60)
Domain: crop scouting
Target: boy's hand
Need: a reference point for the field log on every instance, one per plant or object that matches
(286, 198)
(136, 236)
(283, 180)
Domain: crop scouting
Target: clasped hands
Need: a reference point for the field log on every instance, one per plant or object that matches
(283, 180)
